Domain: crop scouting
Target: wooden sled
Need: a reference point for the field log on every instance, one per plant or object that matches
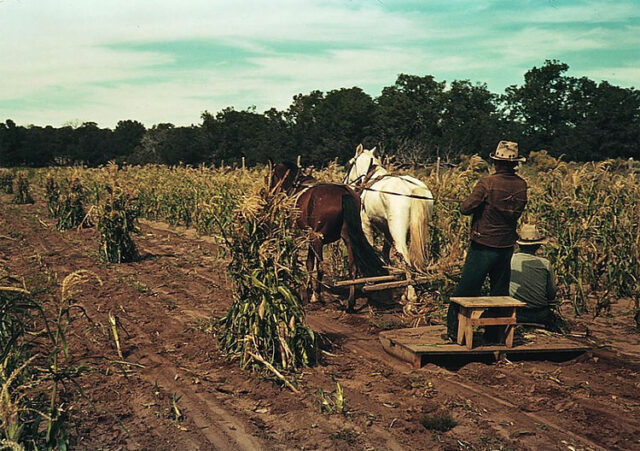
(422, 345)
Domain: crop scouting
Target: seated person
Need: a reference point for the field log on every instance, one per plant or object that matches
(532, 279)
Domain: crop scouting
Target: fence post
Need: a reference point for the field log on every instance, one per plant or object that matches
(438, 171)
(298, 161)
(243, 166)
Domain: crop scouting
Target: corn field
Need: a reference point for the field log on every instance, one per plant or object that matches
(590, 212)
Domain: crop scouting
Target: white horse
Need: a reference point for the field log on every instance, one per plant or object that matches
(397, 206)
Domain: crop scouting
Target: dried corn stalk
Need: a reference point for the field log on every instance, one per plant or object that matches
(266, 318)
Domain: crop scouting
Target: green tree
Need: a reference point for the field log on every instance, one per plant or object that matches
(409, 114)
(328, 127)
(232, 134)
(127, 136)
(572, 116)
(539, 108)
(469, 122)
(301, 120)
(11, 139)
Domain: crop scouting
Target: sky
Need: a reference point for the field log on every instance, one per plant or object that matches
(71, 61)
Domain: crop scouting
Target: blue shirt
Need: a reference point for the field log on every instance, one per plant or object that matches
(532, 280)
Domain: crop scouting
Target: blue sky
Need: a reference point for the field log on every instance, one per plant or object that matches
(167, 61)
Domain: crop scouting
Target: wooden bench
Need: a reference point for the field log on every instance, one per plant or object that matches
(501, 308)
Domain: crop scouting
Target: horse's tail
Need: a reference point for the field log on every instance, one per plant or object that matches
(367, 261)
(420, 213)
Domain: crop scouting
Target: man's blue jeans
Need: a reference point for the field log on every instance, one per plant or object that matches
(481, 261)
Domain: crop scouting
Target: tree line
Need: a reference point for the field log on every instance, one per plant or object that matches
(416, 119)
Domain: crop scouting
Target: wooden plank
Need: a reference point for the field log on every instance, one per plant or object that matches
(474, 315)
(493, 321)
(391, 285)
(488, 301)
(365, 280)
(385, 286)
(511, 330)
(462, 324)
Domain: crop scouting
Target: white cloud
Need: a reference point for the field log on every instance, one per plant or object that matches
(57, 64)
(541, 43)
(625, 75)
(591, 12)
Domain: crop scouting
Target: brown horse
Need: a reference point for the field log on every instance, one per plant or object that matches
(332, 212)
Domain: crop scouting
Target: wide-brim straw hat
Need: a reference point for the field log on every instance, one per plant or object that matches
(507, 151)
(531, 236)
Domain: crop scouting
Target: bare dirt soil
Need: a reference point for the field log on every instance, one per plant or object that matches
(188, 396)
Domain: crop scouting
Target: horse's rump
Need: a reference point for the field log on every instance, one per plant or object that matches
(408, 208)
(321, 209)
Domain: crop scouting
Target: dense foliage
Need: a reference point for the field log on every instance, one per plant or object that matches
(417, 119)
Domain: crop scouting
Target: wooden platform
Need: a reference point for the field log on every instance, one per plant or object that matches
(422, 345)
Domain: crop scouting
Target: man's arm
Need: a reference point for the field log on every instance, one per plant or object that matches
(475, 199)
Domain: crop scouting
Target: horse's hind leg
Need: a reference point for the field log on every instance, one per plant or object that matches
(367, 228)
(399, 229)
(387, 245)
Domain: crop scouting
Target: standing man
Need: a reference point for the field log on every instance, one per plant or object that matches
(532, 280)
(496, 203)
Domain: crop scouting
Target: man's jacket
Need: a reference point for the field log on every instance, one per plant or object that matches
(496, 203)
